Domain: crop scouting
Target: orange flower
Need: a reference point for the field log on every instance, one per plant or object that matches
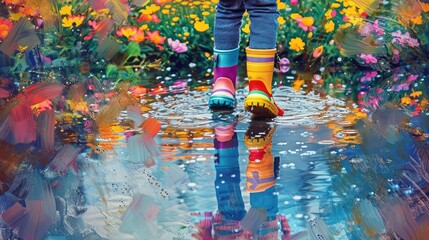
(154, 37)
(318, 51)
(5, 26)
(132, 33)
(126, 31)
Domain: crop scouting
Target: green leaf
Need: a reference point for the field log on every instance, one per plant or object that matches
(111, 70)
(133, 49)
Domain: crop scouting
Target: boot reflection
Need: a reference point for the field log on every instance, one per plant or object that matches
(227, 184)
(262, 170)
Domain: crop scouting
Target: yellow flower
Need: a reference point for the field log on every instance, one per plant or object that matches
(193, 16)
(335, 5)
(329, 26)
(328, 14)
(150, 9)
(72, 20)
(417, 20)
(405, 100)
(175, 19)
(297, 84)
(281, 5)
(205, 13)
(186, 34)
(308, 21)
(66, 10)
(281, 20)
(416, 94)
(310, 35)
(214, 1)
(295, 16)
(296, 44)
(201, 26)
(144, 27)
(165, 11)
(246, 28)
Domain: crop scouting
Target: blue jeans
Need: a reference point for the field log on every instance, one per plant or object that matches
(263, 28)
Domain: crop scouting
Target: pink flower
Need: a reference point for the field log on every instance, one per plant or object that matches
(294, 2)
(284, 65)
(403, 39)
(368, 76)
(412, 78)
(366, 29)
(177, 46)
(368, 58)
(376, 28)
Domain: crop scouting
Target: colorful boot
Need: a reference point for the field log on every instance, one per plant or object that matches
(260, 66)
(225, 75)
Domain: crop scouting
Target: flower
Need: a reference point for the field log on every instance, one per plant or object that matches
(294, 2)
(73, 21)
(5, 26)
(201, 26)
(368, 76)
(296, 44)
(284, 65)
(403, 39)
(177, 46)
(425, 6)
(417, 20)
(306, 23)
(149, 18)
(318, 51)
(329, 26)
(366, 29)
(368, 58)
(162, 2)
(330, 14)
(154, 37)
(281, 20)
(66, 10)
(377, 29)
(281, 5)
(132, 33)
(150, 9)
(126, 31)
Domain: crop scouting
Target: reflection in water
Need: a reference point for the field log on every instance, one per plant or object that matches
(232, 221)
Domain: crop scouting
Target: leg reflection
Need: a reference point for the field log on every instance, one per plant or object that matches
(227, 184)
(262, 170)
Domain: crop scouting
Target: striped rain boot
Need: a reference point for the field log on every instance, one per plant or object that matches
(225, 76)
(260, 66)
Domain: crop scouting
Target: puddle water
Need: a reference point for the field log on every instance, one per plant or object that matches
(336, 166)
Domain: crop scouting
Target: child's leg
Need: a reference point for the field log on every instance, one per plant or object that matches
(261, 57)
(226, 37)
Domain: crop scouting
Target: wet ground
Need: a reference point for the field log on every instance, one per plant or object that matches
(349, 160)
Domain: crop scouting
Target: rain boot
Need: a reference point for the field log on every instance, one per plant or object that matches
(260, 66)
(225, 76)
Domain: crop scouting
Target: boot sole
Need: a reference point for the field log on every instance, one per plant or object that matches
(219, 103)
(260, 107)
